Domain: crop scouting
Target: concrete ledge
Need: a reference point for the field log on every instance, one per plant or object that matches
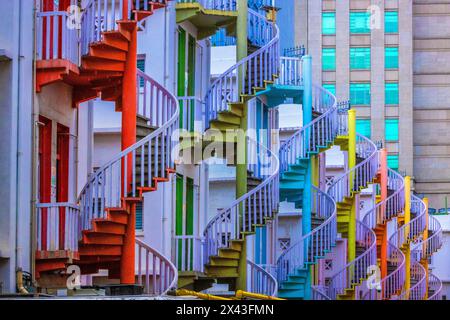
(5, 55)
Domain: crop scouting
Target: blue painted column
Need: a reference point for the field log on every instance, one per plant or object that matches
(307, 118)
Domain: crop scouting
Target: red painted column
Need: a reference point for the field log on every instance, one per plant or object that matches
(384, 194)
(129, 105)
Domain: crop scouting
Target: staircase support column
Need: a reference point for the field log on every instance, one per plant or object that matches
(351, 243)
(129, 106)
(241, 166)
(424, 260)
(383, 185)
(406, 235)
(307, 118)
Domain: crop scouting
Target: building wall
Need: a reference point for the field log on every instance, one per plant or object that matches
(16, 130)
(313, 37)
(431, 95)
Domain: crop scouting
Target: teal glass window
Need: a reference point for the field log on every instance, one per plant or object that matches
(359, 22)
(391, 93)
(141, 66)
(329, 59)
(359, 58)
(391, 57)
(391, 22)
(330, 87)
(329, 23)
(360, 93)
(392, 161)
(363, 127)
(391, 129)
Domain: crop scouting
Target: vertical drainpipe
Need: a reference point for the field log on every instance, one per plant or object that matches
(351, 244)
(35, 146)
(307, 118)
(407, 249)
(241, 168)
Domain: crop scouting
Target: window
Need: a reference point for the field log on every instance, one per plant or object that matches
(392, 161)
(359, 22)
(284, 243)
(329, 23)
(391, 22)
(328, 264)
(141, 66)
(391, 58)
(391, 129)
(360, 93)
(363, 127)
(391, 93)
(329, 59)
(359, 58)
(330, 87)
(139, 221)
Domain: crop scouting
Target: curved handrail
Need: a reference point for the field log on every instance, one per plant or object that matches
(101, 16)
(318, 293)
(105, 188)
(393, 282)
(254, 69)
(417, 291)
(163, 272)
(261, 281)
(303, 142)
(247, 210)
(412, 230)
(424, 249)
(356, 270)
(435, 284)
(316, 243)
(361, 175)
(392, 206)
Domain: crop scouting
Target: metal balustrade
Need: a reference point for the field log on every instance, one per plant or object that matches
(55, 38)
(360, 176)
(319, 132)
(101, 16)
(191, 116)
(435, 287)
(155, 273)
(418, 290)
(393, 282)
(260, 281)
(119, 178)
(314, 244)
(291, 73)
(425, 248)
(189, 253)
(392, 206)
(250, 209)
(222, 5)
(354, 273)
(253, 70)
(57, 226)
(319, 293)
(412, 230)
(221, 39)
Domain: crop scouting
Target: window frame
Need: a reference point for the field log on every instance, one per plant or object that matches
(353, 57)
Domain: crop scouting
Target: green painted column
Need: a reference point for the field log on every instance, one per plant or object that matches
(241, 168)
